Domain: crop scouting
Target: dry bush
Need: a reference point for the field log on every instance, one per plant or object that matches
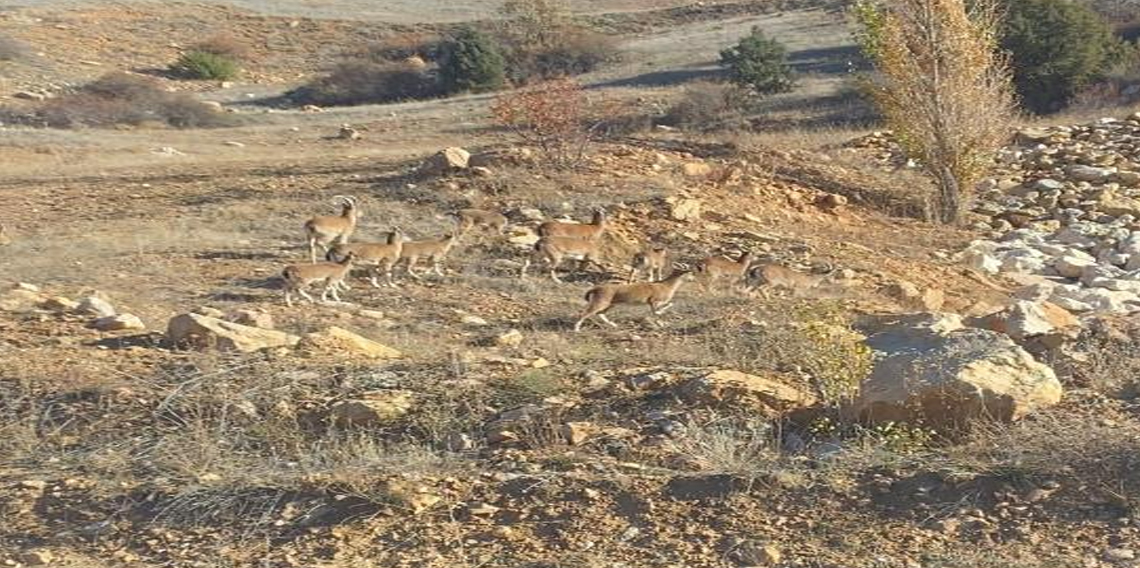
(1057, 445)
(541, 41)
(359, 82)
(747, 449)
(402, 46)
(11, 49)
(557, 117)
(224, 45)
(124, 99)
(943, 86)
(708, 105)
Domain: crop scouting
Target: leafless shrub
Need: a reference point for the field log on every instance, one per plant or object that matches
(943, 87)
(708, 105)
(557, 117)
(123, 99)
(359, 82)
(1103, 455)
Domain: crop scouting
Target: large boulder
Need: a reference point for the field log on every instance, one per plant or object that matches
(734, 388)
(934, 370)
(201, 332)
(341, 342)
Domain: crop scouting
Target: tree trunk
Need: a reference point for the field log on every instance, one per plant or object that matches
(950, 200)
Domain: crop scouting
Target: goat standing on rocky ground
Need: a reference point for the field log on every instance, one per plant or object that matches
(658, 296)
(382, 256)
(466, 219)
(553, 250)
(765, 276)
(653, 261)
(592, 230)
(327, 230)
(432, 250)
(298, 277)
(717, 268)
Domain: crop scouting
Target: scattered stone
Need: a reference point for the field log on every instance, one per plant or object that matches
(728, 387)
(253, 318)
(372, 408)
(95, 306)
(481, 509)
(38, 557)
(696, 169)
(474, 321)
(446, 161)
(512, 338)
(831, 201)
(201, 332)
(121, 322)
(1026, 319)
(576, 433)
(686, 210)
(339, 341)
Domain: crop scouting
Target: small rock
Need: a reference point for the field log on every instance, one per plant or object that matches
(204, 332)
(373, 408)
(253, 318)
(339, 341)
(576, 433)
(119, 322)
(512, 338)
(95, 306)
(696, 169)
(481, 509)
(40, 557)
(686, 210)
(474, 321)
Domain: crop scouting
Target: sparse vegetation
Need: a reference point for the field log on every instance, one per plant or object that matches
(205, 66)
(471, 62)
(759, 63)
(216, 59)
(1058, 49)
(943, 87)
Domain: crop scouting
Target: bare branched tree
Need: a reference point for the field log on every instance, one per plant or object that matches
(944, 87)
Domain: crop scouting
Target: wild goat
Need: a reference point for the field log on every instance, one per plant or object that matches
(591, 230)
(767, 275)
(552, 251)
(297, 277)
(658, 296)
(466, 219)
(433, 250)
(327, 230)
(652, 261)
(382, 256)
(716, 268)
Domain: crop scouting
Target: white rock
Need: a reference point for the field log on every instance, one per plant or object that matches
(1071, 266)
(95, 306)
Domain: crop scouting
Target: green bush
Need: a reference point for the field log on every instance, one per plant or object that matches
(204, 65)
(471, 62)
(759, 63)
(1058, 48)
